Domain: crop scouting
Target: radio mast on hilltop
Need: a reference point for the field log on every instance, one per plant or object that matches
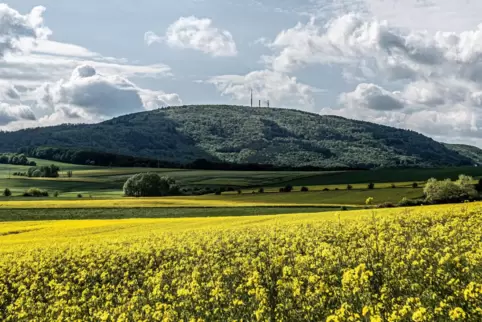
(251, 97)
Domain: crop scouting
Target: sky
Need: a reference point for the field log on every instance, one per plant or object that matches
(412, 64)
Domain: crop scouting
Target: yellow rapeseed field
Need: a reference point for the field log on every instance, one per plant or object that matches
(147, 203)
(418, 264)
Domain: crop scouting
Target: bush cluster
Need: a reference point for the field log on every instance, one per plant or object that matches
(35, 192)
(150, 185)
(448, 191)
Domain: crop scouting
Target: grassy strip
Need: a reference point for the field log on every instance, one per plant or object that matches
(128, 213)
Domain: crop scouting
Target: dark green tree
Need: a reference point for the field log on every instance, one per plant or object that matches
(148, 185)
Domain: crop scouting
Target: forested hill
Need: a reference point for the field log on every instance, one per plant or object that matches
(244, 135)
(469, 151)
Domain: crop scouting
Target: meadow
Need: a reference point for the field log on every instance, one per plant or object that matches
(328, 188)
(414, 264)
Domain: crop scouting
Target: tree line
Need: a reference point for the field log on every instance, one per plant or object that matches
(99, 158)
(16, 159)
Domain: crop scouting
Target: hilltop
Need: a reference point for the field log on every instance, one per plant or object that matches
(240, 134)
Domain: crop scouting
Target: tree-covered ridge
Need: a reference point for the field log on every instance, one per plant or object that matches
(245, 135)
(469, 151)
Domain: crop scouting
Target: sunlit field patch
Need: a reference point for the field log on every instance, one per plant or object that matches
(148, 203)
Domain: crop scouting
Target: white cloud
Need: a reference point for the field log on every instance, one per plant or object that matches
(157, 99)
(352, 39)
(150, 38)
(11, 113)
(431, 15)
(49, 47)
(99, 95)
(44, 82)
(430, 108)
(282, 90)
(435, 77)
(19, 33)
(372, 97)
(198, 34)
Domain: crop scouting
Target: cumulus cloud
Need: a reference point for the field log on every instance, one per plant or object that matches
(157, 99)
(12, 113)
(354, 39)
(198, 34)
(430, 108)
(99, 95)
(19, 33)
(372, 97)
(435, 76)
(282, 90)
(9, 92)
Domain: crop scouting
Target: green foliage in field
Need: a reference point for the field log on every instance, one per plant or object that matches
(51, 171)
(448, 191)
(149, 185)
(36, 192)
(15, 159)
(245, 135)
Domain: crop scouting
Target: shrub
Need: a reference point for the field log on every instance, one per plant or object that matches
(326, 189)
(304, 189)
(56, 194)
(79, 196)
(218, 192)
(386, 205)
(336, 189)
(288, 188)
(51, 171)
(239, 192)
(349, 187)
(393, 186)
(175, 190)
(371, 186)
(37, 173)
(410, 202)
(343, 208)
(414, 185)
(147, 185)
(7, 192)
(35, 192)
(448, 191)
(261, 190)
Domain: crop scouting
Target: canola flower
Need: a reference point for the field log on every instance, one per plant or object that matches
(389, 265)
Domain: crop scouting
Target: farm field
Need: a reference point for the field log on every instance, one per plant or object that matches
(25, 214)
(413, 264)
(101, 183)
(385, 177)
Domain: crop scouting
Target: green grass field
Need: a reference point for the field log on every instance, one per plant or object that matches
(126, 213)
(355, 197)
(94, 182)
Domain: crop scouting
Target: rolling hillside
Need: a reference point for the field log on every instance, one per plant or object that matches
(469, 151)
(245, 135)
